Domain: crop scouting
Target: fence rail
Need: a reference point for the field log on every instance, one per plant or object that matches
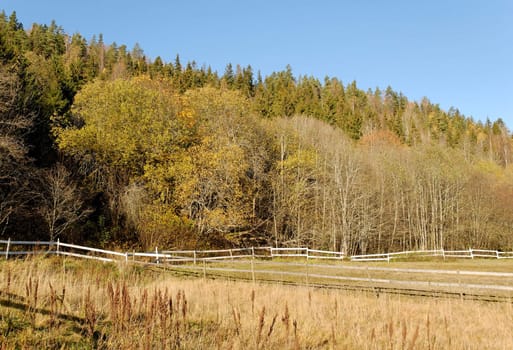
(461, 254)
(61, 248)
(260, 263)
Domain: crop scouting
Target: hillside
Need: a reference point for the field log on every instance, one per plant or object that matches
(101, 144)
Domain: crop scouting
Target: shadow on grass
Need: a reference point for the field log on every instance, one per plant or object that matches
(18, 302)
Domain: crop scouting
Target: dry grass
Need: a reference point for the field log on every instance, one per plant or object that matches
(46, 303)
(400, 276)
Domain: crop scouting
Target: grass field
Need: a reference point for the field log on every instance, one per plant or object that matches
(484, 279)
(56, 303)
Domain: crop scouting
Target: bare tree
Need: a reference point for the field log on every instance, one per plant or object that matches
(61, 205)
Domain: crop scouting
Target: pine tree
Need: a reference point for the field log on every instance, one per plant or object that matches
(229, 76)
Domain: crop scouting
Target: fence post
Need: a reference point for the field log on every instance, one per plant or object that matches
(459, 283)
(471, 254)
(307, 254)
(126, 257)
(231, 255)
(253, 270)
(307, 277)
(443, 253)
(7, 249)
(388, 257)
(497, 253)
(58, 246)
(194, 257)
(157, 254)
(253, 264)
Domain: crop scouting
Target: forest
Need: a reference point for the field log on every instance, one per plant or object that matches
(100, 144)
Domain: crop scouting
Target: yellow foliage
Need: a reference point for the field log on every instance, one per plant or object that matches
(491, 168)
(214, 166)
(160, 226)
(301, 160)
(127, 122)
(188, 150)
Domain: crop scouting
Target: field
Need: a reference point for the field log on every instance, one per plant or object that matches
(67, 303)
(490, 280)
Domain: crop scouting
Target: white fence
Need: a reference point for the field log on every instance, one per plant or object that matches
(461, 254)
(59, 248)
(12, 248)
(280, 264)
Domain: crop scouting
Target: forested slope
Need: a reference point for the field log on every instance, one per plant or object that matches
(100, 144)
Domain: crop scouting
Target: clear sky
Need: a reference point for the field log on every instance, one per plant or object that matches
(455, 52)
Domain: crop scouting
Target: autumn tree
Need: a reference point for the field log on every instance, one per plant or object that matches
(223, 181)
(123, 129)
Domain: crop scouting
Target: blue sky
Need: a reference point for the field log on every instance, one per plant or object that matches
(455, 52)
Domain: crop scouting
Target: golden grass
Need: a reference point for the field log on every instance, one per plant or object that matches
(51, 303)
(384, 276)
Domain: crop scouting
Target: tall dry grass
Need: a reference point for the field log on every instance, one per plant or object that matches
(51, 303)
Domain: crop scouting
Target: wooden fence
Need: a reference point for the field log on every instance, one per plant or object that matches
(282, 265)
(12, 248)
(461, 254)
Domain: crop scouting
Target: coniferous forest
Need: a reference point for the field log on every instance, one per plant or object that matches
(102, 145)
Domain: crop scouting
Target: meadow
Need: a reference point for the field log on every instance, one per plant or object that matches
(56, 303)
